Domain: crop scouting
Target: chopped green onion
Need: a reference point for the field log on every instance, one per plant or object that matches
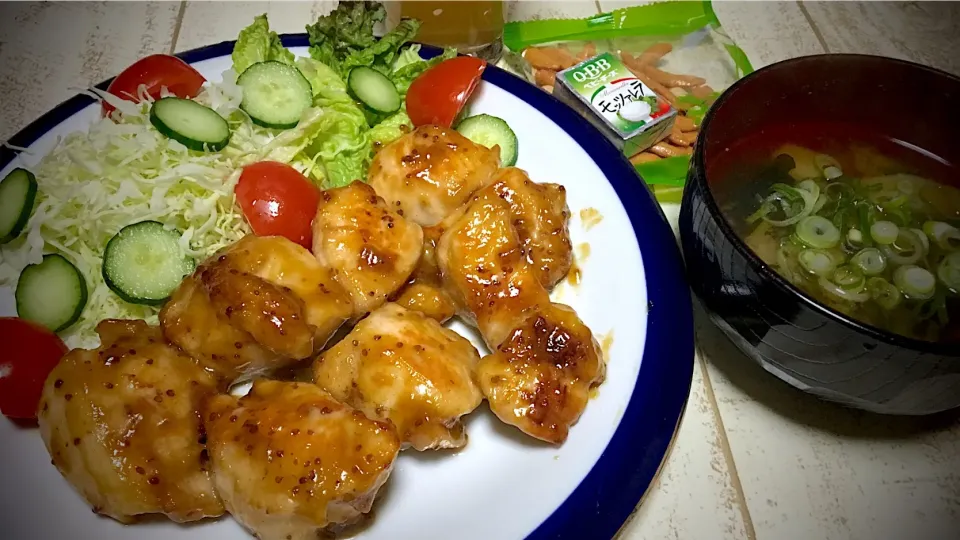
(818, 232)
(907, 249)
(852, 296)
(934, 307)
(915, 282)
(870, 261)
(788, 192)
(949, 271)
(919, 235)
(884, 293)
(821, 202)
(765, 208)
(793, 196)
(828, 166)
(945, 235)
(787, 259)
(895, 203)
(810, 186)
(865, 217)
(884, 232)
(849, 278)
(854, 239)
(817, 261)
(907, 186)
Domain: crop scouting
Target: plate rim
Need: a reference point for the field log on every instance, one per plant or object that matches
(616, 484)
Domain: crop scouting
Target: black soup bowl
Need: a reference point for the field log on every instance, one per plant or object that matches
(792, 336)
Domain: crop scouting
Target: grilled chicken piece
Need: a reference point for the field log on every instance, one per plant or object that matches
(427, 298)
(539, 378)
(190, 321)
(428, 173)
(545, 359)
(290, 461)
(269, 313)
(122, 425)
(541, 216)
(371, 249)
(424, 291)
(258, 305)
(403, 366)
(485, 270)
(286, 264)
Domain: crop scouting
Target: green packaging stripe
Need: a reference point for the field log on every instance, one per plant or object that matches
(667, 19)
(667, 194)
(667, 171)
(664, 18)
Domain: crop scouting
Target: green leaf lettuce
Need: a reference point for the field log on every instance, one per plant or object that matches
(344, 39)
(409, 66)
(336, 138)
(257, 43)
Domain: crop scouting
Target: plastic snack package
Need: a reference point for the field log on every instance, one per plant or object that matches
(676, 49)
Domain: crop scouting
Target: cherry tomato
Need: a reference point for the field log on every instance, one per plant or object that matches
(438, 95)
(30, 353)
(156, 71)
(278, 201)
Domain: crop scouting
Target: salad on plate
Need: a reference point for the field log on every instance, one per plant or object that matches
(307, 224)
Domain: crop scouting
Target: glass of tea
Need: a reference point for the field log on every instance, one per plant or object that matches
(473, 27)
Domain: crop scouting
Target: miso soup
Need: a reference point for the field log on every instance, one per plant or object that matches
(865, 225)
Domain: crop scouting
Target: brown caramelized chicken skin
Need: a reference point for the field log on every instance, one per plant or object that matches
(402, 366)
(371, 249)
(429, 172)
(424, 290)
(545, 359)
(485, 269)
(121, 423)
(540, 216)
(539, 378)
(290, 461)
(140, 425)
(258, 305)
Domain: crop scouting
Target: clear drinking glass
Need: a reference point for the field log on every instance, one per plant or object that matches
(473, 27)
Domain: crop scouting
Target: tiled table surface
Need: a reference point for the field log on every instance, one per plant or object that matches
(753, 458)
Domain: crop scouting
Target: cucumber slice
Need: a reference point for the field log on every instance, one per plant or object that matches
(275, 94)
(52, 293)
(373, 89)
(190, 123)
(143, 263)
(491, 131)
(18, 191)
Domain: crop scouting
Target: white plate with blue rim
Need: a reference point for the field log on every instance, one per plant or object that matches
(502, 485)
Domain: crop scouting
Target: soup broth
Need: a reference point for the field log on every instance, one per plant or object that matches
(865, 225)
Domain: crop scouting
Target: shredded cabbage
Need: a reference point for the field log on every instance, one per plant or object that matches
(120, 172)
(123, 171)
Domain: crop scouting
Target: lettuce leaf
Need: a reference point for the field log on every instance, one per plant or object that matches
(324, 81)
(409, 55)
(345, 29)
(410, 68)
(257, 43)
(334, 141)
(350, 26)
(391, 128)
(341, 150)
(344, 39)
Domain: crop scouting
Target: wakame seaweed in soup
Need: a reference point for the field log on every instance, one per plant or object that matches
(865, 225)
